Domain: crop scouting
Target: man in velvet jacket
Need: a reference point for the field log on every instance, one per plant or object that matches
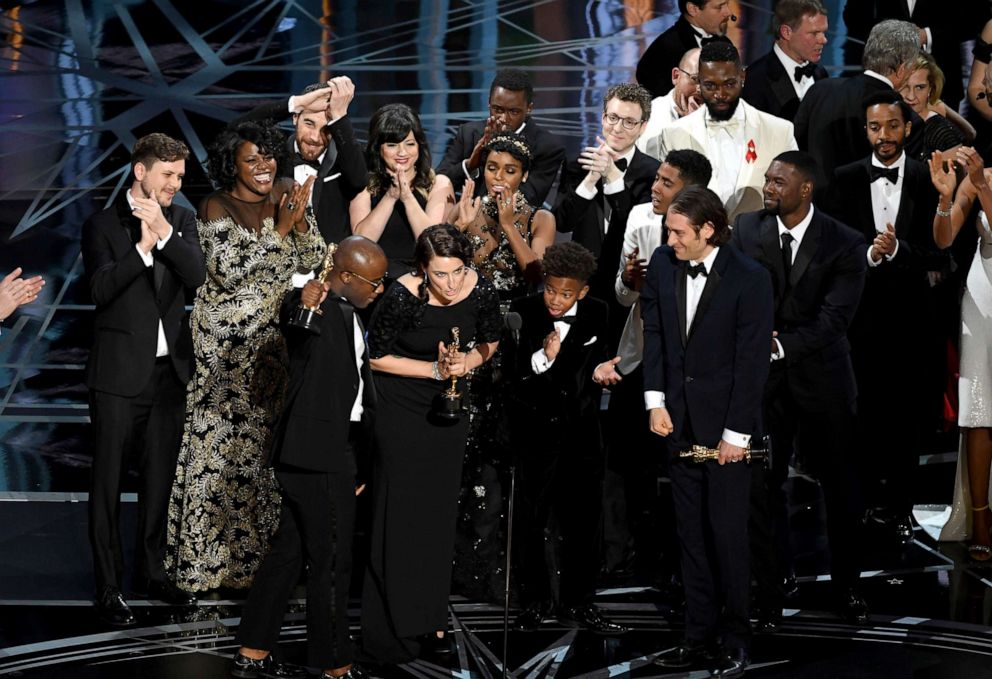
(141, 256)
(707, 312)
(324, 426)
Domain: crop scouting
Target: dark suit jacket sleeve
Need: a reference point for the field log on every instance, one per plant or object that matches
(549, 156)
(273, 110)
(919, 251)
(800, 123)
(108, 277)
(844, 282)
(654, 341)
(571, 208)
(458, 150)
(650, 69)
(183, 255)
(755, 318)
(351, 157)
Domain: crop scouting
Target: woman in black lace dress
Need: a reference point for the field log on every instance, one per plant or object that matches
(418, 463)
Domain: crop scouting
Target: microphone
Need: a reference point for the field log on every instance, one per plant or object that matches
(733, 17)
(513, 322)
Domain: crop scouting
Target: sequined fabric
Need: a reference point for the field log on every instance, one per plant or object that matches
(225, 502)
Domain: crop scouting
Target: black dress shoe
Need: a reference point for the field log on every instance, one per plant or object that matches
(112, 608)
(853, 607)
(356, 671)
(790, 587)
(767, 620)
(685, 655)
(591, 618)
(244, 667)
(732, 663)
(531, 618)
(170, 594)
(433, 645)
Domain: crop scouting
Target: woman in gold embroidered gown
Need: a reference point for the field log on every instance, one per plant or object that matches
(256, 233)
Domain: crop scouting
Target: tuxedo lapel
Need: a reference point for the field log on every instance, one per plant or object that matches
(808, 248)
(680, 285)
(904, 218)
(771, 246)
(866, 210)
(780, 81)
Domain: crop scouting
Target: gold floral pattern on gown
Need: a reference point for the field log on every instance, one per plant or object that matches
(225, 501)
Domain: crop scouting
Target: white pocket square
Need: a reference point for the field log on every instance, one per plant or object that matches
(590, 341)
(332, 176)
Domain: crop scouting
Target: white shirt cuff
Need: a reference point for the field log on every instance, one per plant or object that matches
(929, 44)
(145, 257)
(779, 352)
(654, 399)
(289, 104)
(736, 439)
(615, 186)
(871, 262)
(583, 192)
(300, 279)
(539, 362)
(468, 175)
(161, 243)
(895, 252)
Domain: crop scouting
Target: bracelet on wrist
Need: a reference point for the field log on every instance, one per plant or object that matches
(944, 213)
(435, 373)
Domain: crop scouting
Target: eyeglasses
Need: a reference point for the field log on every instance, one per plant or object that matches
(710, 86)
(628, 123)
(375, 284)
(694, 77)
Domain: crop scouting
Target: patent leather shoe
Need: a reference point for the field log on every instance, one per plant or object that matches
(112, 609)
(590, 617)
(244, 667)
(531, 617)
(731, 663)
(684, 655)
(853, 607)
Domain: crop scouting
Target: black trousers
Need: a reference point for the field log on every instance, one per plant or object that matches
(558, 519)
(825, 441)
(151, 425)
(316, 527)
(711, 512)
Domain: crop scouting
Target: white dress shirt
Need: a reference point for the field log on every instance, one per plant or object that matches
(790, 65)
(725, 141)
(356, 408)
(885, 200)
(539, 360)
(161, 347)
(798, 233)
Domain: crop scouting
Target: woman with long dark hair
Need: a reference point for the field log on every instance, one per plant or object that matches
(256, 233)
(403, 196)
(417, 468)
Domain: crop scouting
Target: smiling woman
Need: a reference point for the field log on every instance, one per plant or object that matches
(225, 502)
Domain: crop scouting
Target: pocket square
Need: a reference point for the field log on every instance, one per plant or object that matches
(332, 176)
(590, 341)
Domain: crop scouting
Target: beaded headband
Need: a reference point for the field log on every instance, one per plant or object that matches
(507, 139)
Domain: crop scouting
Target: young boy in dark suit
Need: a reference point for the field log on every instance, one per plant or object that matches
(554, 411)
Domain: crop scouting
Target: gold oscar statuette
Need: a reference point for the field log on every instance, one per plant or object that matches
(304, 316)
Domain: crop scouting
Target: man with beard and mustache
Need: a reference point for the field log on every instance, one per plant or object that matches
(818, 272)
(889, 198)
(742, 137)
(680, 102)
(701, 22)
(778, 81)
(323, 145)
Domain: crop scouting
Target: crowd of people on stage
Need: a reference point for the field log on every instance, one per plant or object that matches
(759, 265)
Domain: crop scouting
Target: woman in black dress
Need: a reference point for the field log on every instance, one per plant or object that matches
(418, 464)
(403, 196)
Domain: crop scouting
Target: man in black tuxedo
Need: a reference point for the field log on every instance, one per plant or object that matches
(941, 28)
(599, 188)
(818, 272)
(324, 424)
(553, 406)
(778, 81)
(141, 256)
(323, 145)
(707, 313)
(511, 101)
(830, 122)
(700, 22)
(889, 198)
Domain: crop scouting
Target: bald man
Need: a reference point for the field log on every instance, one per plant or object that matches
(324, 424)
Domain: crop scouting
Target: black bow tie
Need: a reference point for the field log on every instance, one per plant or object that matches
(300, 160)
(806, 71)
(621, 164)
(696, 270)
(891, 173)
(706, 41)
(567, 320)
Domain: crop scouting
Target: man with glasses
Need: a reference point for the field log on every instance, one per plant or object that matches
(701, 22)
(729, 130)
(600, 186)
(324, 427)
(511, 100)
(778, 81)
(681, 101)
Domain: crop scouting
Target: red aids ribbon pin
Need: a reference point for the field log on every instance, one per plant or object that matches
(751, 154)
